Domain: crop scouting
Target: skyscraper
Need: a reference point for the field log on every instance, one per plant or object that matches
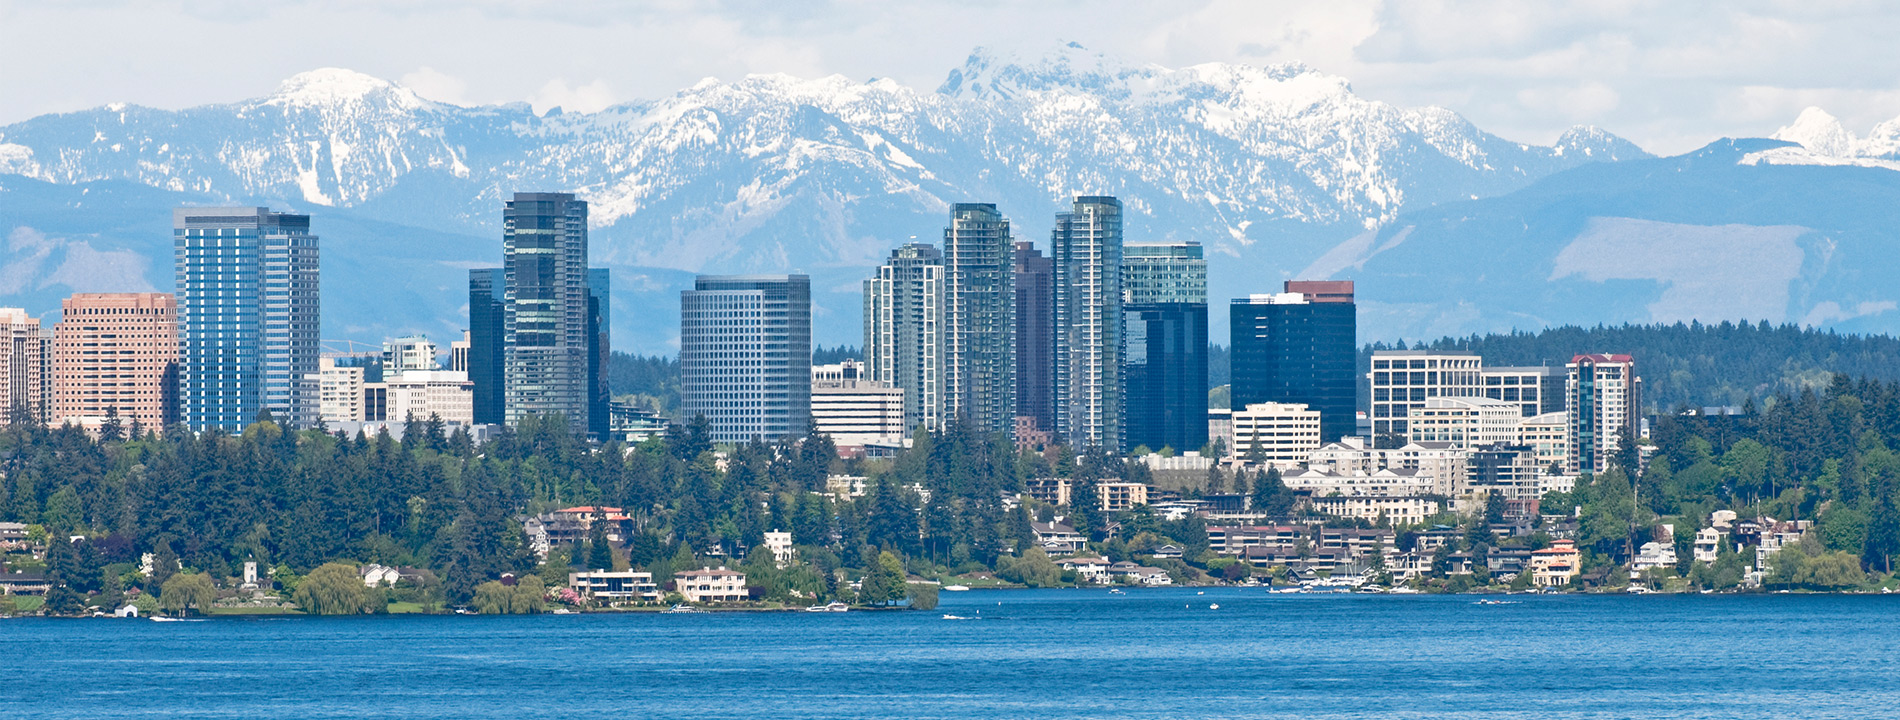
(21, 360)
(487, 335)
(1086, 249)
(1165, 364)
(979, 318)
(547, 346)
(745, 355)
(1035, 337)
(1299, 347)
(115, 353)
(249, 309)
(904, 329)
(599, 320)
(1606, 400)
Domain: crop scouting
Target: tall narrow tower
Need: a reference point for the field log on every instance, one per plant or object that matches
(248, 316)
(904, 331)
(1164, 288)
(979, 318)
(1035, 338)
(1087, 250)
(547, 345)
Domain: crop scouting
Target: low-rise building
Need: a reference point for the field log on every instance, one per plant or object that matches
(1708, 544)
(1120, 496)
(1057, 538)
(780, 543)
(709, 585)
(1654, 555)
(607, 586)
(1231, 540)
(1087, 568)
(1274, 434)
(1398, 509)
(1557, 565)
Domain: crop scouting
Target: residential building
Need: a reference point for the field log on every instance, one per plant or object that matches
(22, 362)
(1708, 544)
(1654, 556)
(487, 335)
(1055, 491)
(1402, 380)
(249, 311)
(856, 412)
(1271, 433)
(458, 353)
(115, 354)
(707, 585)
(1605, 401)
(780, 543)
(1231, 540)
(609, 587)
(1548, 436)
(1086, 250)
(979, 365)
(633, 424)
(1397, 509)
(425, 394)
(413, 352)
(904, 332)
(340, 392)
(1035, 340)
(745, 355)
(1056, 538)
(1299, 346)
(1089, 569)
(1536, 389)
(1557, 565)
(1164, 311)
(1121, 496)
(550, 332)
(1511, 471)
(1465, 422)
(1380, 482)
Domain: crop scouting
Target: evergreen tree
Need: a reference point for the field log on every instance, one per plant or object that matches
(600, 552)
(1883, 536)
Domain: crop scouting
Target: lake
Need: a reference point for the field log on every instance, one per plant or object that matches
(1152, 653)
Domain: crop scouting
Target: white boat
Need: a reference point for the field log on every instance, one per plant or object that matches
(833, 607)
(956, 588)
(682, 609)
(1117, 591)
(959, 617)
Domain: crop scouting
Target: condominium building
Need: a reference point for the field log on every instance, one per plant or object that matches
(1035, 341)
(707, 585)
(554, 324)
(1299, 346)
(403, 354)
(979, 376)
(1402, 380)
(1465, 422)
(1548, 436)
(1087, 255)
(340, 392)
(115, 354)
(1279, 434)
(1605, 399)
(745, 355)
(854, 410)
(1536, 389)
(249, 307)
(22, 378)
(1164, 287)
(904, 332)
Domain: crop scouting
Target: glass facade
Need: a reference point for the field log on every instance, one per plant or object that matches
(979, 318)
(599, 320)
(1035, 337)
(1086, 246)
(1299, 347)
(1165, 345)
(903, 331)
(248, 314)
(548, 349)
(487, 320)
(745, 355)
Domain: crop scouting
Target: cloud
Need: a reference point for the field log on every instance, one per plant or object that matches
(592, 97)
(436, 85)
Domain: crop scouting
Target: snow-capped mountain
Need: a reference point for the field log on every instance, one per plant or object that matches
(1267, 166)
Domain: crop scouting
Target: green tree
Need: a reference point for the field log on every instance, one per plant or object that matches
(883, 581)
(529, 596)
(185, 592)
(923, 596)
(332, 589)
(1883, 535)
(494, 598)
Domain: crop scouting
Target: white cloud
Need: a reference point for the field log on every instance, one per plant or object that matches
(436, 85)
(592, 97)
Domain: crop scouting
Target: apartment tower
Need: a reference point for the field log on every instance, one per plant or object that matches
(979, 318)
(1086, 250)
(904, 331)
(249, 311)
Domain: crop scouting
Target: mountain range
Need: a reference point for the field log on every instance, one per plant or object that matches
(1280, 171)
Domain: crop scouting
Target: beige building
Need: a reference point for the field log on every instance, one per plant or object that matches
(854, 410)
(1120, 496)
(707, 585)
(1554, 566)
(115, 352)
(1397, 509)
(429, 393)
(22, 365)
(1548, 436)
(1285, 433)
(339, 392)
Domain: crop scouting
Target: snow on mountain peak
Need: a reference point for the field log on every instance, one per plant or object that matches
(1821, 133)
(334, 86)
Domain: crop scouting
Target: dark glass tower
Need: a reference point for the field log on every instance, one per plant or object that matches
(1165, 345)
(548, 345)
(1299, 347)
(487, 318)
(599, 320)
(1035, 337)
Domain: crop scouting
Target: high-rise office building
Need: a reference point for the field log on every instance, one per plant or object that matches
(745, 355)
(458, 354)
(1035, 338)
(115, 353)
(487, 335)
(548, 343)
(1086, 251)
(904, 329)
(1298, 346)
(1536, 389)
(249, 308)
(1606, 399)
(1164, 364)
(979, 318)
(599, 320)
(22, 383)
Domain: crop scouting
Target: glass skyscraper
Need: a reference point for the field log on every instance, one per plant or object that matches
(979, 318)
(745, 355)
(1035, 338)
(248, 316)
(1299, 346)
(1086, 247)
(1164, 287)
(904, 329)
(487, 325)
(549, 344)
(600, 347)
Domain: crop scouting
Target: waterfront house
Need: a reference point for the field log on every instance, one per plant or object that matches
(1654, 555)
(707, 585)
(1087, 569)
(1057, 538)
(1708, 543)
(23, 584)
(610, 587)
(379, 576)
(1168, 552)
(1557, 565)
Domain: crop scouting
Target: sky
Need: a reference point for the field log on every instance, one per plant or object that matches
(1670, 76)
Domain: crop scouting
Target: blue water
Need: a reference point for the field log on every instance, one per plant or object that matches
(1159, 653)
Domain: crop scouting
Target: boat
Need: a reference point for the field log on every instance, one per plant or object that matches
(1489, 601)
(1215, 606)
(1117, 591)
(959, 617)
(174, 619)
(956, 588)
(682, 609)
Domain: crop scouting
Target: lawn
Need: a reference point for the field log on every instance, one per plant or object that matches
(255, 611)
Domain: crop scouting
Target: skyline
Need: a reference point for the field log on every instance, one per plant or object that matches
(1670, 78)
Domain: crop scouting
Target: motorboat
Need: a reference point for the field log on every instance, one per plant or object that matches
(956, 588)
(682, 609)
(832, 607)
